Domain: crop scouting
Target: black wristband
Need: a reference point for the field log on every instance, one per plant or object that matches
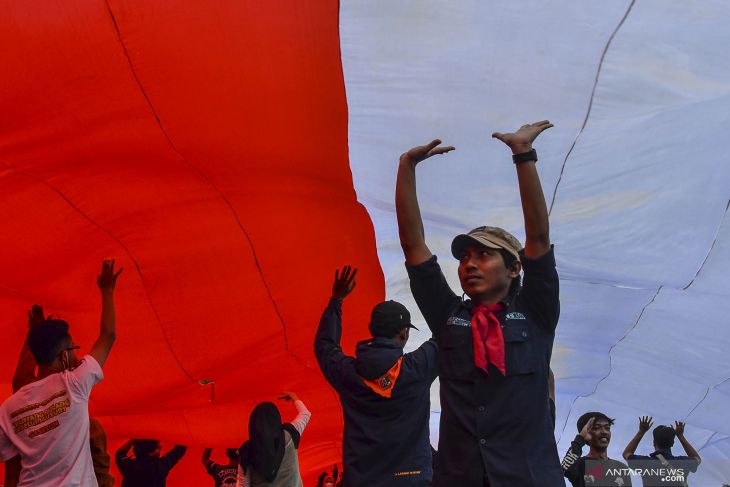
(524, 157)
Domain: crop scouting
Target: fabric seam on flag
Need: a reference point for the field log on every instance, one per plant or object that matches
(610, 360)
(590, 102)
(208, 181)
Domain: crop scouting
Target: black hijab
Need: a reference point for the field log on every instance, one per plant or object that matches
(264, 450)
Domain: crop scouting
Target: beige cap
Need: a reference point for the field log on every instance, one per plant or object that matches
(491, 237)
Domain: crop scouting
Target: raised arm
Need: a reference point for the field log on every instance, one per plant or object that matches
(534, 209)
(688, 448)
(25, 368)
(106, 281)
(173, 456)
(303, 415)
(121, 456)
(332, 361)
(206, 456)
(410, 224)
(570, 464)
(644, 426)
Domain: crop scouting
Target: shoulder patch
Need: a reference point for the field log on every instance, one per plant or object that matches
(456, 321)
(515, 315)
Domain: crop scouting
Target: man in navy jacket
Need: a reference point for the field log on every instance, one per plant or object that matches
(385, 394)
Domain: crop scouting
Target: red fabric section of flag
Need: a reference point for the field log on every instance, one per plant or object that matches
(204, 146)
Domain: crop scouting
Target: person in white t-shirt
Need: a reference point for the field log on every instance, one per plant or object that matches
(44, 426)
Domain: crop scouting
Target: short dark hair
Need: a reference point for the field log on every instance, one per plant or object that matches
(232, 453)
(46, 339)
(664, 436)
(583, 420)
(144, 447)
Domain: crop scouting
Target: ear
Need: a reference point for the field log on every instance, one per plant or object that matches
(404, 334)
(515, 270)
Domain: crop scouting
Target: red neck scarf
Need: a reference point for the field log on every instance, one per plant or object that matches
(488, 339)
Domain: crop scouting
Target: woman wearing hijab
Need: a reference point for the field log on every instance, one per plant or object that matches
(269, 457)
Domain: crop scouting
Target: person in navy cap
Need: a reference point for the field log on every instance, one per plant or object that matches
(384, 392)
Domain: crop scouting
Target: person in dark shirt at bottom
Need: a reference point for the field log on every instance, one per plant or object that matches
(594, 469)
(222, 474)
(673, 471)
(147, 468)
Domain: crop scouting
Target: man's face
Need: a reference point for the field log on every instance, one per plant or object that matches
(600, 435)
(482, 272)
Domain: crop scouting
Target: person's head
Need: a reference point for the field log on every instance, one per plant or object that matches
(232, 454)
(663, 437)
(146, 448)
(489, 263)
(265, 446)
(390, 319)
(265, 420)
(600, 430)
(51, 345)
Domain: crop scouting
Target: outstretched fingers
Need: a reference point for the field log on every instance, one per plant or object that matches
(437, 151)
(351, 279)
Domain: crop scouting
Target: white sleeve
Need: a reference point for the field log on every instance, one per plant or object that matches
(85, 376)
(7, 449)
(303, 416)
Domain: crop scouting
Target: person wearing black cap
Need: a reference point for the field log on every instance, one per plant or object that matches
(495, 347)
(385, 394)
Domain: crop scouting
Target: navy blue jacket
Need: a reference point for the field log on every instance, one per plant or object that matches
(386, 439)
(494, 430)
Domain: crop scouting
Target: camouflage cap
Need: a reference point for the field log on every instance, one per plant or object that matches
(491, 237)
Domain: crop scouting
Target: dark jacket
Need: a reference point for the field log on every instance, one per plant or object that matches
(386, 439)
(150, 471)
(494, 429)
(676, 468)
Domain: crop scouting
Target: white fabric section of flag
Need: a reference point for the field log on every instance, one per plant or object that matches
(640, 218)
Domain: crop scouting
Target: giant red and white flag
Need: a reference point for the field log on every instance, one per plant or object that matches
(231, 154)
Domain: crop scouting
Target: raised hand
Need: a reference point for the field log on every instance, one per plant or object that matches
(108, 278)
(679, 428)
(645, 423)
(421, 152)
(586, 432)
(35, 315)
(344, 283)
(288, 396)
(521, 140)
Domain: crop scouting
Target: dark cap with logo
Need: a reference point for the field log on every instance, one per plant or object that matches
(389, 318)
